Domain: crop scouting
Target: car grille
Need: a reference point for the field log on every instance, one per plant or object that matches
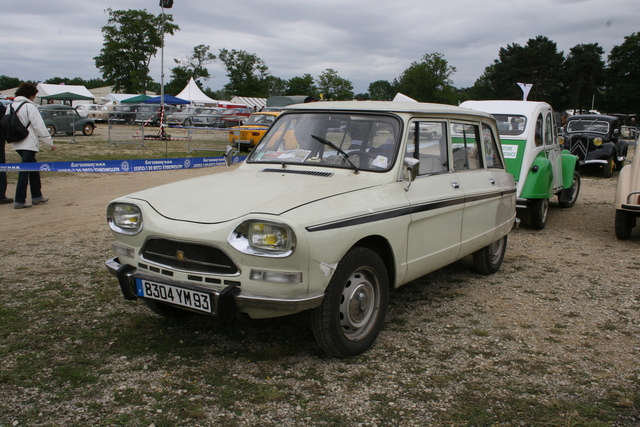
(188, 256)
(578, 146)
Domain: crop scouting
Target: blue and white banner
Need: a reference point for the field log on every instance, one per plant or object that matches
(137, 165)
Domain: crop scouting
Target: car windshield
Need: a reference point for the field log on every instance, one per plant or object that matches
(343, 140)
(260, 119)
(509, 124)
(588, 125)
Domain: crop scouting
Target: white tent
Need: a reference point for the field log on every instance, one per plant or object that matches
(192, 93)
(118, 97)
(258, 103)
(45, 89)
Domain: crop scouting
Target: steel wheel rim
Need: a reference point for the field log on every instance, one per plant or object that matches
(495, 250)
(545, 210)
(359, 302)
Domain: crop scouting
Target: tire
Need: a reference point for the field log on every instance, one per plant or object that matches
(625, 221)
(539, 211)
(575, 191)
(489, 259)
(87, 129)
(166, 310)
(607, 170)
(188, 122)
(350, 317)
(51, 129)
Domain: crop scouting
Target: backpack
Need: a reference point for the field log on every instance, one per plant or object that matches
(13, 128)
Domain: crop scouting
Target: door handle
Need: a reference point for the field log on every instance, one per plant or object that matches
(455, 185)
(492, 181)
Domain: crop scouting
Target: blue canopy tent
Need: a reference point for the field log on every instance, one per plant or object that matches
(168, 99)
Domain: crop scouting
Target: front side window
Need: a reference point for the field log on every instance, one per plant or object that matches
(467, 154)
(427, 142)
(343, 140)
(491, 148)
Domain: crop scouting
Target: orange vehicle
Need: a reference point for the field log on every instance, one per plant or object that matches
(249, 134)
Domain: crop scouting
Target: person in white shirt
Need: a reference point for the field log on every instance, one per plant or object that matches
(28, 147)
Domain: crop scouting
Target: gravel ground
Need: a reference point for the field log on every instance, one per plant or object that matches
(554, 332)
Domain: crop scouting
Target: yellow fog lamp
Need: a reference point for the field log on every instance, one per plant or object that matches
(597, 142)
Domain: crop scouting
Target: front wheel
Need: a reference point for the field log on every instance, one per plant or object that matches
(51, 129)
(489, 259)
(87, 129)
(354, 306)
(188, 122)
(625, 221)
(539, 212)
(566, 201)
(607, 170)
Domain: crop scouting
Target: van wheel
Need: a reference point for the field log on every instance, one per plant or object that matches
(166, 310)
(355, 303)
(625, 221)
(539, 211)
(489, 259)
(574, 191)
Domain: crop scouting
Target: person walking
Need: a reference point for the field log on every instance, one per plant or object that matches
(28, 147)
(3, 175)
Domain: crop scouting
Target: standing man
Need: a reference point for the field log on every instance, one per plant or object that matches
(3, 175)
(28, 147)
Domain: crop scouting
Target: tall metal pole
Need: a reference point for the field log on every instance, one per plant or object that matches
(162, 132)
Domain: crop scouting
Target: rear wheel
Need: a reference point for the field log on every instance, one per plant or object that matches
(489, 259)
(87, 129)
(166, 310)
(566, 201)
(354, 306)
(539, 211)
(51, 129)
(625, 221)
(188, 122)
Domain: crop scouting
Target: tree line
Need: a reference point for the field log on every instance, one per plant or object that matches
(579, 79)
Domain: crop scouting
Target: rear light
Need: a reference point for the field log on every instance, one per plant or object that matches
(255, 133)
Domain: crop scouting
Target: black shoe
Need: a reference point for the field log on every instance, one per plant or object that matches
(6, 201)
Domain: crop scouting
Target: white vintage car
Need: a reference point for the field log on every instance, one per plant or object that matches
(627, 201)
(340, 203)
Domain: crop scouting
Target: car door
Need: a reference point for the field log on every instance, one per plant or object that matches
(553, 151)
(436, 200)
(479, 168)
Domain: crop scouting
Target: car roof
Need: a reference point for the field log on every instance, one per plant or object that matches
(56, 107)
(385, 106)
(524, 108)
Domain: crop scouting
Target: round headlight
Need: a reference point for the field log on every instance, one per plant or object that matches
(124, 218)
(597, 142)
(263, 238)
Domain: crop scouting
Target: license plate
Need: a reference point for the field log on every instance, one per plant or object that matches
(173, 295)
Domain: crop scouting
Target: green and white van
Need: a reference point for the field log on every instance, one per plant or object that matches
(534, 155)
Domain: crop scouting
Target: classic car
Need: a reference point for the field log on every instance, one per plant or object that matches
(595, 139)
(149, 114)
(101, 114)
(210, 117)
(630, 134)
(534, 156)
(125, 113)
(251, 132)
(627, 200)
(341, 202)
(184, 117)
(64, 118)
(85, 109)
(235, 116)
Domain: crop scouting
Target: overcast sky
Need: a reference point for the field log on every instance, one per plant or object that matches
(363, 40)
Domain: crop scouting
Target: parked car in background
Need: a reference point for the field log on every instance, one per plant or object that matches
(534, 156)
(251, 132)
(65, 119)
(235, 116)
(85, 109)
(341, 203)
(627, 200)
(124, 114)
(630, 134)
(101, 114)
(210, 117)
(184, 117)
(149, 114)
(596, 140)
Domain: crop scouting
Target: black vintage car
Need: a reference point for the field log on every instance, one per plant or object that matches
(595, 139)
(124, 113)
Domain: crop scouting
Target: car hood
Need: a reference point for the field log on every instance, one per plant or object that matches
(223, 197)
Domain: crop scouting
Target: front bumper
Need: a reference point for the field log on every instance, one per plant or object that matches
(226, 300)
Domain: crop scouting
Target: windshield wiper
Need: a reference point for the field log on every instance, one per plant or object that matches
(338, 149)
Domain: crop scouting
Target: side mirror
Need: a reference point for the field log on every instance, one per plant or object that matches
(413, 167)
(227, 156)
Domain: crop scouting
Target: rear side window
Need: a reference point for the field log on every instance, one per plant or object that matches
(539, 130)
(465, 144)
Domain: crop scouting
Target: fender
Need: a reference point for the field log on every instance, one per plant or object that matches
(569, 164)
(539, 183)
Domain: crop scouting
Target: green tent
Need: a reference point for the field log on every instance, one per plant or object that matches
(136, 99)
(68, 96)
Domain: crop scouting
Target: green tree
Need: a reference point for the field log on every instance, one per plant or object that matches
(382, 90)
(302, 85)
(276, 86)
(584, 72)
(131, 39)
(538, 63)
(428, 80)
(623, 88)
(78, 81)
(246, 72)
(333, 87)
(7, 82)
(192, 67)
